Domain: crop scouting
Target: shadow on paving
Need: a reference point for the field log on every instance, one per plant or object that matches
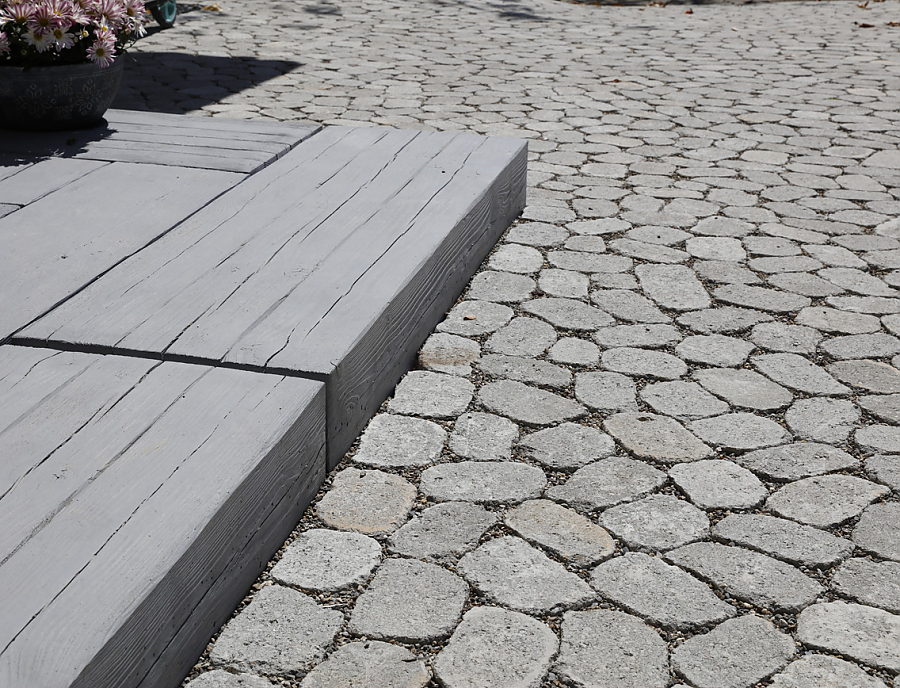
(177, 82)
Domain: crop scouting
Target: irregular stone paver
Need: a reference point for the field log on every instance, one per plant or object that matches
(798, 460)
(652, 336)
(873, 376)
(486, 482)
(409, 600)
(796, 372)
(878, 530)
(369, 663)
(516, 575)
(672, 286)
(400, 441)
(448, 353)
(643, 363)
(628, 306)
(747, 575)
(496, 647)
(433, 395)
(878, 438)
(603, 648)
(885, 469)
(821, 671)
(744, 388)
(574, 351)
(761, 298)
(727, 320)
(735, 654)
(718, 484)
(714, 350)
(527, 404)
(822, 420)
(655, 437)
(280, 631)
(606, 391)
(826, 500)
(873, 583)
(782, 539)
(567, 445)
(442, 531)
(568, 313)
(866, 634)
(608, 482)
(656, 523)
(323, 560)
(777, 336)
(516, 258)
(567, 533)
(833, 320)
(502, 287)
(635, 581)
(483, 437)
(525, 370)
(370, 502)
(878, 345)
(522, 337)
(682, 400)
(472, 318)
(222, 679)
(741, 431)
(885, 407)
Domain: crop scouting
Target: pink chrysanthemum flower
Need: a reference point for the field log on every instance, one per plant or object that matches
(108, 13)
(4, 43)
(63, 39)
(21, 12)
(62, 11)
(102, 52)
(42, 19)
(40, 39)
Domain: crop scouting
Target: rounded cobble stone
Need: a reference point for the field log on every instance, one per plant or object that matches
(369, 663)
(325, 560)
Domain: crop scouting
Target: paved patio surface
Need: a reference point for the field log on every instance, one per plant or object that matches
(656, 444)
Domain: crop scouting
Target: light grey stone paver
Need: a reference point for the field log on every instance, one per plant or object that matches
(769, 300)
(449, 353)
(635, 582)
(522, 337)
(877, 345)
(649, 336)
(797, 460)
(607, 482)
(370, 501)
(567, 445)
(719, 484)
(714, 350)
(735, 654)
(391, 440)
(574, 351)
(726, 320)
(326, 560)
(878, 530)
(516, 258)
(537, 234)
(826, 500)
(873, 583)
(526, 370)
(643, 363)
(527, 404)
(567, 533)
(716, 248)
(792, 542)
(822, 671)
(672, 286)
(650, 436)
(483, 437)
(496, 647)
(280, 631)
(563, 284)
(409, 600)
(878, 438)
(369, 663)
(601, 648)
(885, 469)
(682, 400)
(748, 575)
(832, 320)
(777, 336)
(568, 313)
(872, 376)
(628, 306)
(220, 678)
(796, 372)
(471, 318)
(822, 420)
(488, 482)
(744, 388)
(741, 431)
(606, 391)
(866, 634)
(656, 523)
(885, 407)
(501, 287)
(514, 574)
(442, 531)
(433, 395)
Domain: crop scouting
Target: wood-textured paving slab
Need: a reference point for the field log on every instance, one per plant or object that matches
(162, 139)
(334, 262)
(138, 501)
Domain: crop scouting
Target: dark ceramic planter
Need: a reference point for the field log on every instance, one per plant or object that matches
(57, 97)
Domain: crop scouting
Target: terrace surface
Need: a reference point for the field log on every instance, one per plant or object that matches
(656, 443)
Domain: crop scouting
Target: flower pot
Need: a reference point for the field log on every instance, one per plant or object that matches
(57, 96)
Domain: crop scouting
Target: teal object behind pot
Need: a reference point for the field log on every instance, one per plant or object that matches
(57, 96)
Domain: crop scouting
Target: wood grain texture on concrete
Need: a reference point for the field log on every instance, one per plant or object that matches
(161, 139)
(334, 262)
(139, 500)
(81, 228)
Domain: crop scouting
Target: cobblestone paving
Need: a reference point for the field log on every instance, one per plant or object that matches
(656, 443)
